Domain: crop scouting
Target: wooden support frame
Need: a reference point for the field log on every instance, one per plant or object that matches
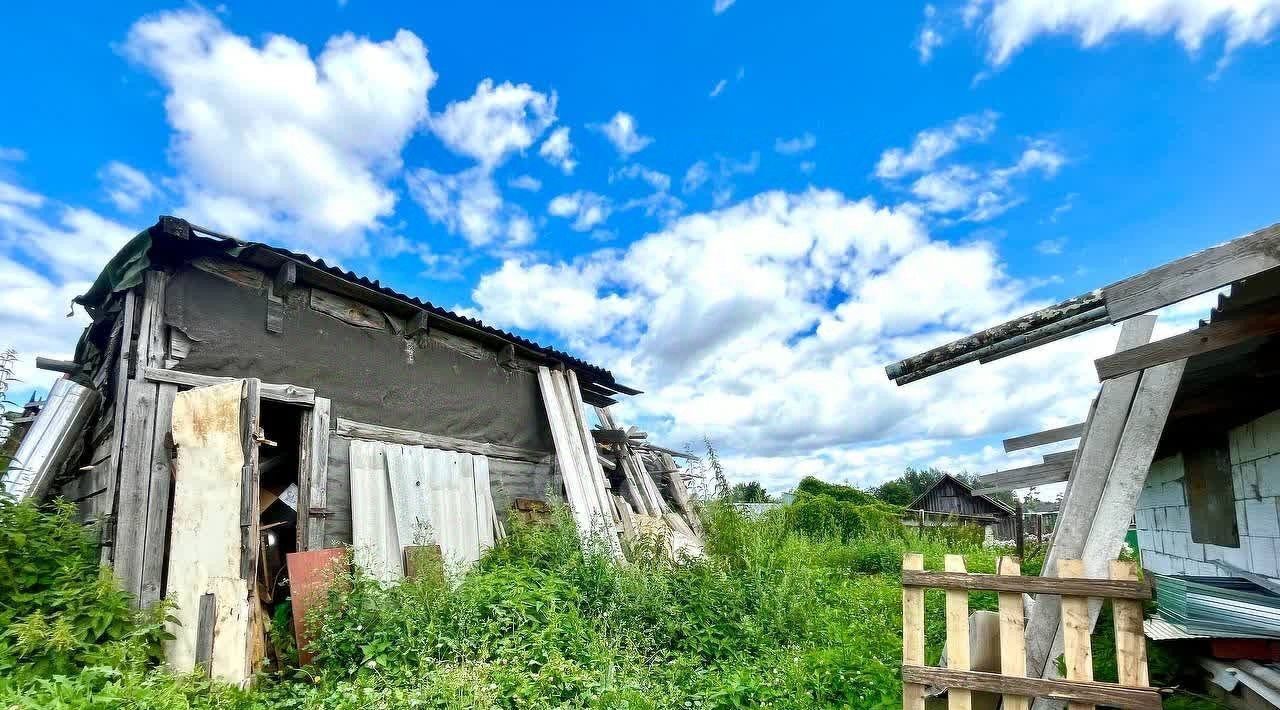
(289, 394)
(1208, 338)
(1048, 436)
(1025, 477)
(1079, 689)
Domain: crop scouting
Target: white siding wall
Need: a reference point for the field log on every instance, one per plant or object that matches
(1164, 522)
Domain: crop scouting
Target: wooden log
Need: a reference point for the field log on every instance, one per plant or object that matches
(1048, 436)
(1013, 644)
(1131, 641)
(912, 633)
(290, 394)
(1086, 587)
(957, 634)
(1205, 339)
(1110, 694)
(1192, 275)
(1076, 629)
(52, 365)
(377, 432)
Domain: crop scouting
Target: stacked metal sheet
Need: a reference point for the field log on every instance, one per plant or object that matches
(1218, 607)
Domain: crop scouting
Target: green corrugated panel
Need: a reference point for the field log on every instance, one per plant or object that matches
(1224, 607)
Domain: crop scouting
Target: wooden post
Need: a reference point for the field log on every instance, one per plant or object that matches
(1131, 641)
(1076, 628)
(1019, 532)
(913, 632)
(1039, 529)
(1013, 643)
(957, 635)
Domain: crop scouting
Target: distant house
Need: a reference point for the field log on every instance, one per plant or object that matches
(951, 501)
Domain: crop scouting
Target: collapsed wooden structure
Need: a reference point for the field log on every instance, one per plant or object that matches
(1183, 436)
(232, 403)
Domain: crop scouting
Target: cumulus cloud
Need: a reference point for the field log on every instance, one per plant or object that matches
(127, 187)
(624, 134)
(468, 203)
(270, 140)
(525, 182)
(587, 209)
(934, 144)
(1011, 25)
(495, 121)
(558, 150)
(802, 143)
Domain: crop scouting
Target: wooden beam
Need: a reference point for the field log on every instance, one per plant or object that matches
(291, 394)
(419, 323)
(1195, 274)
(1096, 587)
(285, 280)
(1048, 436)
(1061, 457)
(1214, 336)
(377, 432)
(52, 365)
(1110, 694)
(1025, 477)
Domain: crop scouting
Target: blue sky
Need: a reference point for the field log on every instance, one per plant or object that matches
(744, 211)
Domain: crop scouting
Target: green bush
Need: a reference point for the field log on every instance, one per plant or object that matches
(814, 487)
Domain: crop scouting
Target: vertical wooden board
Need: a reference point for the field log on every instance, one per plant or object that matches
(957, 635)
(1013, 643)
(913, 632)
(128, 317)
(204, 633)
(1211, 493)
(568, 454)
(595, 473)
(157, 531)
(205, 550)
(311, 575)
(134, 486)
(1077, 650)
(250, 491)
(1131, 641)
(317, 472)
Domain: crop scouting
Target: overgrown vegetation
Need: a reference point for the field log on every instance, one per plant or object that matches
(799, 608)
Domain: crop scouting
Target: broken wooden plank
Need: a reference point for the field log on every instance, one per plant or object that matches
(377, 432)
(347, 310)
(291, 394)
(157, 530)
(1195, 274)
(1048, 436)
(1085, 587)
(1111, 694)
(1012, 479)
(1214, 336)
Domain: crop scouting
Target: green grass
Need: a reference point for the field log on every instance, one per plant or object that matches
(798, 609)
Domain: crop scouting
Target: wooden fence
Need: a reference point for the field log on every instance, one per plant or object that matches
(1078, 688)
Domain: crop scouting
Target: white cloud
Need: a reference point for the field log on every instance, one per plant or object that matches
(525, 182)
(468, 203)
(934, 144)
(696, 176)
(558, 150)
(496, 121)
(127, 187)
(624, 134)
(586, 208)
(1051, 247)
(719, 88)
(721, 179)
(721, 5)
(930, 37)
(1013, 24)
(270, 141)
(659, 181)
(794, 146)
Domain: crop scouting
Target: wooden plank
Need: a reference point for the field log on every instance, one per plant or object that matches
(120, 398)
(134, 487)
(957, 650)
(1048, 436)
(1025, 477)
(568, 453)
(291, 394)
(1088, 587)
(250, 433)
(204, 633)
(155, 550)
(912, 633)
(1111, 694)
(593, 470)
(1131, 641)
(285, 280)
(1209, 338)
(1085, 484)
(1013, 644)
(232, 271)
(1210, 491)
(377, 432)
(317, 473)
(1061, 457)
(153, 346)
(347, 310)
(1195, 274)
(1076, 629)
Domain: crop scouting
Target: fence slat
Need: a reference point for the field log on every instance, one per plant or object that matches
(1077, 650)
(957, 635)
(1131, 642)
(1107, 588)
(1013, 642)
(912, 632)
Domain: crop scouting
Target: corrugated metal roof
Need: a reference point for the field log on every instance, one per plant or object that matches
(1157, 629)
(601, 376)
(1221, 607)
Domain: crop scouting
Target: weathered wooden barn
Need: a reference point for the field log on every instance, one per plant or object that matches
(950, 501)
(1183, 440)
(232, 403)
